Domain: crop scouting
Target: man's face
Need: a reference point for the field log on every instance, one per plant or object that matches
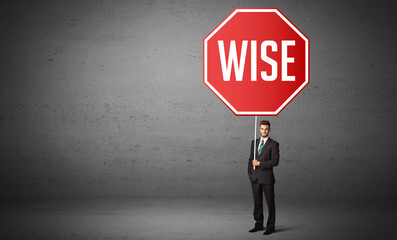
(265, 129)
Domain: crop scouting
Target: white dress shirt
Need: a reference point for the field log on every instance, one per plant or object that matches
(264, 142)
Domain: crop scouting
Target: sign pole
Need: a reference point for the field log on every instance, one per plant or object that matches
(256, 123)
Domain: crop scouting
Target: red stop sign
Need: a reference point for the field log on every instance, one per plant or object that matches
(256, 61)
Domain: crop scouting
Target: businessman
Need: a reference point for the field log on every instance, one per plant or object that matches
(262, 177)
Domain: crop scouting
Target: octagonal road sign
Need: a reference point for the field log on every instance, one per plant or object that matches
(256, 61)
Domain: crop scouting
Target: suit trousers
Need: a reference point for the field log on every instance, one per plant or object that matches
(257, 190)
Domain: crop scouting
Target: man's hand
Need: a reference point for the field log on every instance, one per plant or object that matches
(255, 162)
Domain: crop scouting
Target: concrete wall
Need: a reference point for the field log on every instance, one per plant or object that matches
(105, 99)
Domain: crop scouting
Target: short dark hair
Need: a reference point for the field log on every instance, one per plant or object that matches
(265, 122)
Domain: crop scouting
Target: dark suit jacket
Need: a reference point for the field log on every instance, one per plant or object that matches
(268, 158)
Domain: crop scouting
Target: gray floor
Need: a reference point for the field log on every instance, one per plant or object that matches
(195, 219)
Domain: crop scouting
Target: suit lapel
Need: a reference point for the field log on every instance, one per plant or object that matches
(257, 144)
(257, 147)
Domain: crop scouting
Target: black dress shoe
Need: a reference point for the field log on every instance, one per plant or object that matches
(268, 231)
(255, 229)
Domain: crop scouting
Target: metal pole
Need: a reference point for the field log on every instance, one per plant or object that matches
(256, 123)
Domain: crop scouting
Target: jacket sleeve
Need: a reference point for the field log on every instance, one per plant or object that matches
(274, 158)
(251, 158)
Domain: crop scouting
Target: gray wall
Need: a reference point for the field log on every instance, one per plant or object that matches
(106, 99)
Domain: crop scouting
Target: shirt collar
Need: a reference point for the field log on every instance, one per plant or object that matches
(265, 139)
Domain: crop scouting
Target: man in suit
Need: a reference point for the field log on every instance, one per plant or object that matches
(262, 177)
